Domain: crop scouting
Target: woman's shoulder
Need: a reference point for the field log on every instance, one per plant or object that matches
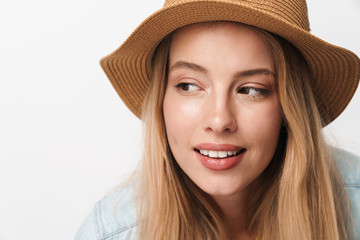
(349, 167)
(113, 216)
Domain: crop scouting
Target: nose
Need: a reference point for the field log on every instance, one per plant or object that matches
(219, 116)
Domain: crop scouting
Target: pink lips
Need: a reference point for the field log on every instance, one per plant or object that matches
(219, 163)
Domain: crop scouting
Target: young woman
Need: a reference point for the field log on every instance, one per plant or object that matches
(233, 96)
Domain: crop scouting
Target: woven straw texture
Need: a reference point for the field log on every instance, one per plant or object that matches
(336, 71)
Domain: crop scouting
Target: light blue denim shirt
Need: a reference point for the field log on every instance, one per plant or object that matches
(114, 216)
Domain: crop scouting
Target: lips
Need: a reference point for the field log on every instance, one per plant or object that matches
(219, 156)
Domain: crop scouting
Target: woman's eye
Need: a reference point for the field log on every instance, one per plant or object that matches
(187, 87)
(253, 92)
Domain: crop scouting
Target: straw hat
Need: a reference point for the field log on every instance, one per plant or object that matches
(336, 71)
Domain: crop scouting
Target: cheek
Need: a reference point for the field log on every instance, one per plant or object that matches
(264, 123)
(180, 117)
(263, 130)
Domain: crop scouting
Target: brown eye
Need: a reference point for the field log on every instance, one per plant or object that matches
(253, 92)
(187, 87)
(244, 90)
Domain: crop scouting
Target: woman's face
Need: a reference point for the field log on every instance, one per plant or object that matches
(222, 112)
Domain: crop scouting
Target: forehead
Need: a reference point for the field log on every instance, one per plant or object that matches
(234, 43)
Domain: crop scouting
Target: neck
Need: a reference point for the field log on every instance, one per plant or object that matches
(234, 214)
(233, 211)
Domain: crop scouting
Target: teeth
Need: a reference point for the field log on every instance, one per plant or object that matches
(218, 154)
(213, 154)
(204, 152)
(222, 154)
(230, 153)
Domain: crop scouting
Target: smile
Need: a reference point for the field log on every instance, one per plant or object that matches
(219, 157)
(219, 154)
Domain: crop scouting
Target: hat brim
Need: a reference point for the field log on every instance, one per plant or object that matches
(336, 71)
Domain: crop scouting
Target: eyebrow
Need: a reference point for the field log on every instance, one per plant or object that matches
(253, 72)
(198, 68)
(188, 65)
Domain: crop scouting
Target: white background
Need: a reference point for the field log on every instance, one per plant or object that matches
(65, 136)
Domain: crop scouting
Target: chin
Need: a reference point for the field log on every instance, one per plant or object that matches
(221, 188)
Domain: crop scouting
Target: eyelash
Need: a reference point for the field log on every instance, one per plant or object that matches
(181, 86)
(259, 92)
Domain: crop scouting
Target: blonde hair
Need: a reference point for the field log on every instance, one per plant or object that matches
(302, 196)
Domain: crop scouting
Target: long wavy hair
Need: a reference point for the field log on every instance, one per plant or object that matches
(302, 195)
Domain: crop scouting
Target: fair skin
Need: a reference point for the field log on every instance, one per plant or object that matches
(222, 113)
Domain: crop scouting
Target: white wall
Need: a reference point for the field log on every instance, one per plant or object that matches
(65, 136)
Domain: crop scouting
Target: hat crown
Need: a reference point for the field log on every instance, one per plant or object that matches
(292, 11)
